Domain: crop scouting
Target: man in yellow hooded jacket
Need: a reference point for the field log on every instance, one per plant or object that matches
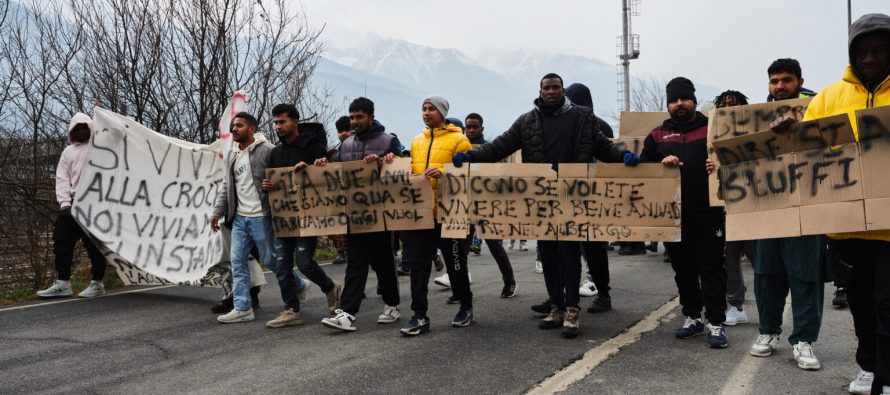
(865, 84)
(430, 150)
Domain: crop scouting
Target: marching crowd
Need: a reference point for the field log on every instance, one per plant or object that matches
(560, 128)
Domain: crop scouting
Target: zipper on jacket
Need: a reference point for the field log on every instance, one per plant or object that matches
(429, 150)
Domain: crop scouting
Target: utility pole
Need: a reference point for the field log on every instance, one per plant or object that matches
(628, 48)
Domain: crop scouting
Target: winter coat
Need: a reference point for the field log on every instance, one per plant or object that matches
(71, 162)
(227, 200)
(850, 94)
(310, 145)
(527, 134)
(436, 148)
(375, 141)
(689, 143)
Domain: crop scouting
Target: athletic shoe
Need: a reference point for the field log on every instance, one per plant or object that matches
(443, 281)
(339, 259)
(716, 336)
(417, 326)
(542, 308)
(735, 316)
(601, 304)
(224, 306)
(862, 383)
(667, 257)
(452, 300)
(571, 325)
(288, 317)
(840, 298)
(511, 244)
(57, 290)
(235, 316)
(653, 246)
(522, 246)
(403, 271)
(476, 245)
(509, 290)
(764, 345)
(304, 293)
(691, 327)
(333, 298)
(93, 290)
(341, 321)
(803, 354)
(587, 289)
(463, 318)
(390, 314)
(885, 390)
(539, 267)
(552, 320)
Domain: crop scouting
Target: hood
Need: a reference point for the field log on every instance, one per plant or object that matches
(376, 129)
(309, 132)
(77, 119)
(868, 23)
(258, 138)
(449, 128)
(566, 106)
(580, 95)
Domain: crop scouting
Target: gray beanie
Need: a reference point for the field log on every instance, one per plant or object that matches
(440, 103)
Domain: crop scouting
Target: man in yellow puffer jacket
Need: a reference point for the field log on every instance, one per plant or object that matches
(430, 151)
(866, 83)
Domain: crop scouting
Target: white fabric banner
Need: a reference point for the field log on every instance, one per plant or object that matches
(148, 198)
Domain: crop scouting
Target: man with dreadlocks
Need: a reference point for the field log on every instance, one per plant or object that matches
(730, 98)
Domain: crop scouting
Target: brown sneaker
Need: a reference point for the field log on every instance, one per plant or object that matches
(288, 317)
(572, 323)
(552, 320)
(333, 297)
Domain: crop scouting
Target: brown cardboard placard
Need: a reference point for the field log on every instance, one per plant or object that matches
(770, 224)
(453, 202)
(285, 220)
(410, 201)
(360, 184)
(321, 204)
(729, 122)
(513, 201)
(639, 123)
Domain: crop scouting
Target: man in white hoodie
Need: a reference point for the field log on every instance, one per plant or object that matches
(67, 232)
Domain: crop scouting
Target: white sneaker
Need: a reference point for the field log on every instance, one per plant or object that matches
(862, 383)
(539, 267)
(587, 289)
(341, 321)
(390, 314)
(470, 277)
(735, 316)
(885, 390)
(443, 281)
(803, 354)
(522, 246)
(764, 345)
(511, 244)
(236, 316)
(93, 290)
(57, 290)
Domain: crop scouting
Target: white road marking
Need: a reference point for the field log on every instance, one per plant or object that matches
(742, 377)
(568, 375)
(75, 299)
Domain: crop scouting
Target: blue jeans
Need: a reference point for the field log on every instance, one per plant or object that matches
(246, 233)
(290, 284)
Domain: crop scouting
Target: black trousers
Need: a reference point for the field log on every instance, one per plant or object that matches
(698, 266)
(869, 296)
(561, 261)
(839, 268)
(364, 251)
(65, 236)
(420, 247)
(500, 256)
(596, 254)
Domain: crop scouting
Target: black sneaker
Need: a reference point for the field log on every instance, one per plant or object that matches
(542, 308)
(667, 257)
(840, 298)
(601, 304)
(509, 290)
(255, 297)
(452, 300)
(463, 318)
(417, 326)
(224, 306)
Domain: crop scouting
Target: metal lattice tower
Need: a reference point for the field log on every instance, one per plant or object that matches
(628, 48)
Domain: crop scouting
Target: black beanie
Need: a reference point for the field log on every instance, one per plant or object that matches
(680, 88)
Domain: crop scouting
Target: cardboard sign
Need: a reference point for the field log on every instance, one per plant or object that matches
(639, 124)
(583, 202)
(815, 179)
(409, 198)
(453, 203)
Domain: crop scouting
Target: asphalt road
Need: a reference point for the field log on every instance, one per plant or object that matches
(167, 341)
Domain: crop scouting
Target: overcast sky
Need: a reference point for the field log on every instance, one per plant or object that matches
(726, 44)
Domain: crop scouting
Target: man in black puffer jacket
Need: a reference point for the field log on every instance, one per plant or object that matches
(698, 258)
(555, 131)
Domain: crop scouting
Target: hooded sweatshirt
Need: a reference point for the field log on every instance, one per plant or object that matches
(71, 162)
(851, 94)
(230, 198)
